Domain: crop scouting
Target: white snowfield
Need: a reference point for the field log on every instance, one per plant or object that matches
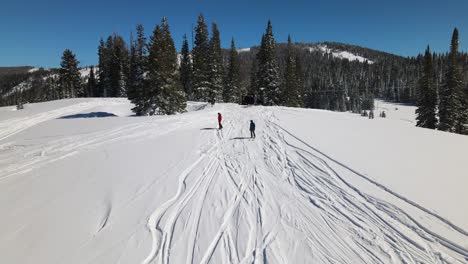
(83, 181)
(340, 54)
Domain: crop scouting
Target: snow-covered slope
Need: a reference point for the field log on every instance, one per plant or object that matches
(339, 53)
(313, 187)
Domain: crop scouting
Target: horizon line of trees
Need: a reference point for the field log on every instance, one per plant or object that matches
(159, 81)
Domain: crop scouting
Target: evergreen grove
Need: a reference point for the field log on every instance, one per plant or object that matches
(157, 80)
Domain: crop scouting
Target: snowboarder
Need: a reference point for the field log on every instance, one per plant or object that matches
(252, 129)
(371, 114)
(220, 118)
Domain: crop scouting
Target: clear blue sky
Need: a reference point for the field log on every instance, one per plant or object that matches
(36, 32)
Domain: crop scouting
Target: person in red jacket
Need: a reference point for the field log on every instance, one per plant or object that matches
(220, 118)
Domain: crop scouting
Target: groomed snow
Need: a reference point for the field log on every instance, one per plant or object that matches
(84, 181)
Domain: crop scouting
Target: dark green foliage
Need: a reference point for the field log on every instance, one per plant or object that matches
(291, 85)
(69, 76)
(165, 94)
(113, 67)
(451, 113)
(136, 78)
(427, 95)
(216, 67)
(233, 91)
(91, 87)
(268, 80)
(201, 62)
(186, 70)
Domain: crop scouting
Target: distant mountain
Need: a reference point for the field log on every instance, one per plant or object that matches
(14, 70)
(331, 71)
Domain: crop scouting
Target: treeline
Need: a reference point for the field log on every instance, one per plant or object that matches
(159, 81)
(443, 100)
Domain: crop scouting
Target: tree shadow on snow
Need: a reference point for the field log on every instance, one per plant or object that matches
(87, 115)
(209, 128)
(241, 138)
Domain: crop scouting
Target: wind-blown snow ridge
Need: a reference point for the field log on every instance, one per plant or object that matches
(340, 54)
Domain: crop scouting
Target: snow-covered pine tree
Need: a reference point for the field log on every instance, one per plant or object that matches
(136, 76)
(186, 69)
(451, 116)
(91, 85)
(233, 91)
(427, 95)
(166, 94)
(216, 66)
(268, 80)
(70, 81)
(290, 85)
(201, 57)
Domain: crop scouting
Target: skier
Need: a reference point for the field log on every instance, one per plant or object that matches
(252, 129)
(220, 118)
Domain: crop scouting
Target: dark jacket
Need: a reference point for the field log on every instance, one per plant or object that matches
(252, 126)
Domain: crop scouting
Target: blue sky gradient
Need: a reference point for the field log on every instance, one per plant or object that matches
(36, 32)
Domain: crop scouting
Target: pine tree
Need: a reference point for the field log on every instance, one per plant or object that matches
(70, 81)
(233, 92)
(91, 85)
(118, 66)
(201, 59)
(427, 95)
(186, 69)
(166, 94)
(253, 87)
(291, 95)
(268, 81)
(216, 66)
(136, 78)
(451, 116)
(105, 55)
(300, 81)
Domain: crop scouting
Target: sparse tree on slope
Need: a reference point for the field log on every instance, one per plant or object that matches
(70, 81)
(427, 95)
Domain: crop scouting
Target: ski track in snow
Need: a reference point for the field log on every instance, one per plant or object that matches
(274, 199)
(227, 210)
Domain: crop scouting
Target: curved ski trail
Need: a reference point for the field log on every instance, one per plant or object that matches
(276, 199)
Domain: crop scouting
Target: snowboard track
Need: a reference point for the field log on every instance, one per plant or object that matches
(327, 220)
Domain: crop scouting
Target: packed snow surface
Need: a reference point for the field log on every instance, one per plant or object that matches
(84, 181)
(340, 54)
